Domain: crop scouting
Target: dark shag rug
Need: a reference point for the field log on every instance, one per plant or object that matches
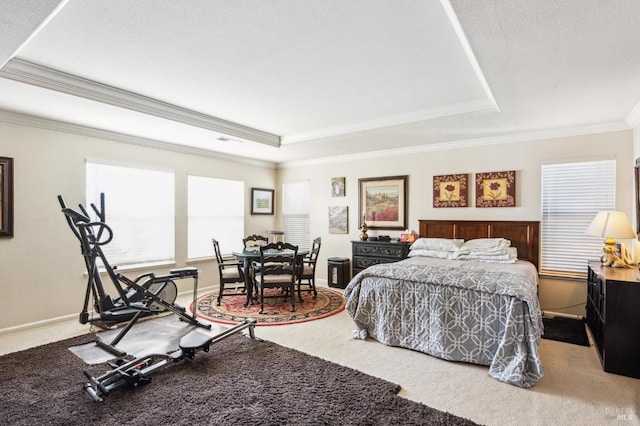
(565, 330)
(239, 382)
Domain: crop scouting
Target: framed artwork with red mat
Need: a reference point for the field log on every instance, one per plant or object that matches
(276, 312)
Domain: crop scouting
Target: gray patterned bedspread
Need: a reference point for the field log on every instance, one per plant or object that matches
(482, 313)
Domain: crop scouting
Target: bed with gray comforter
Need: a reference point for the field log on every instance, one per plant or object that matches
(458, 310)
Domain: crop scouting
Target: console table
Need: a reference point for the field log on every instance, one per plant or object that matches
(613, 316)
(367, 253)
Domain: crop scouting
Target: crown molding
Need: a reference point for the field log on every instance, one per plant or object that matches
(58, 126)
(477, 105)
(463, 144)
(633, 118)
(48, 78)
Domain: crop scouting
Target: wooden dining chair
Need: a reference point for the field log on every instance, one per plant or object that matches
(230, 272)
(308, 270)
(254, 242)
(277, 269)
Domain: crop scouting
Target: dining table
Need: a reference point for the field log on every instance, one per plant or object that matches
(247, 257)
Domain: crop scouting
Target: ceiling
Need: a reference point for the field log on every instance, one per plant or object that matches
(289, 81)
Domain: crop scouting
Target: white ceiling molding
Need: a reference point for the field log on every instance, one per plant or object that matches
(455, 23)
(478, 105)
(463, 144)
(37, 75)
(16, 33)
(633, 118)
(58, 126)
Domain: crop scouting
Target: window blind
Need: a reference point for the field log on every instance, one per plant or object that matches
(215, 210)
(140, 206)
(296, 201)
(572, 195)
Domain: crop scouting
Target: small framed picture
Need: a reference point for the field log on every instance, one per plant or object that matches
(450, 191)
(6, 197)
(337, 187)
(261, 201)
(496, 189)
(339, 220)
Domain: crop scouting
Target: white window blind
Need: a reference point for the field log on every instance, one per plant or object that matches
(572, 195)
(296, 203)
(215, 210)
(139, 207)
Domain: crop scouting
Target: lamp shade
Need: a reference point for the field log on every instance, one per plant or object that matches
(611, 224)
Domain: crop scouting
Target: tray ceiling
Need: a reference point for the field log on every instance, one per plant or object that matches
(290, 80)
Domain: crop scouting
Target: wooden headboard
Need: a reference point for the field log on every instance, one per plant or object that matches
(524, 235)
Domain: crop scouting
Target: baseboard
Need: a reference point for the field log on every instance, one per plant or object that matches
(37, 324)
(562, 315)
(50, 321)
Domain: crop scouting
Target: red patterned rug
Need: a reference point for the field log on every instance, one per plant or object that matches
(276, 310)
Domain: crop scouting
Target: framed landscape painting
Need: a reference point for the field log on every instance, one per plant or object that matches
(383, 202)
(261, 201)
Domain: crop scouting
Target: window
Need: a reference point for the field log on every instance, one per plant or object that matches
(295, 211)
(139, 207)
(216, 210)
(572, 195)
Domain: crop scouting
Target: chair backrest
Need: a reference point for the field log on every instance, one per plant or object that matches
(253, 242)
(315, 251)
(216, 248)
(278, 258)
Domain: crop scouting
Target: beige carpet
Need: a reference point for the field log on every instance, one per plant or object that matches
(573, 391)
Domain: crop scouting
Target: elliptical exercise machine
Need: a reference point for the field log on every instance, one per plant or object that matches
(148, 294)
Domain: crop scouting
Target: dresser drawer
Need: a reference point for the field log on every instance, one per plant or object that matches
(365, 262)
(389, 251)
(367, 253)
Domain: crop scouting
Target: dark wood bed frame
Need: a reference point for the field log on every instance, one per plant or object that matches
(524, 235)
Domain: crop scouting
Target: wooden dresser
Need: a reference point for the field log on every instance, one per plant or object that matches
(367, 253)
(613, 316)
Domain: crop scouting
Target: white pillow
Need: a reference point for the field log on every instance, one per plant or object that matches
(438, 254)
(440, 244)
(510, 255)
(487, 243)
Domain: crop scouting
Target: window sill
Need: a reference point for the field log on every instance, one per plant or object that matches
(200, 260)
(564, 275)
(139, 267)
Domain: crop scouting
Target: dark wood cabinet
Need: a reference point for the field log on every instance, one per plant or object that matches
(367, 253)
(613, 316)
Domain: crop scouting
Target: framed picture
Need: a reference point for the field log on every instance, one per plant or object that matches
(337, 187)
(451, 191)
(383, 202)
(637, 177)
(6, 197)
(339, 220)
(496, 189)
(261, 201)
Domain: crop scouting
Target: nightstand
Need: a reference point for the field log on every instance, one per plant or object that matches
(367, 253)
(613, 316)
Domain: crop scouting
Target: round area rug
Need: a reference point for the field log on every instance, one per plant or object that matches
(276, 310)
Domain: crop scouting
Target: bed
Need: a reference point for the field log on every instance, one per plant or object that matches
(480, 312)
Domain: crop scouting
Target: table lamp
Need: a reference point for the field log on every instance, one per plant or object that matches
(611, 225)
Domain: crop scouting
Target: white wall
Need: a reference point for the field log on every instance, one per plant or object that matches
(42, 274)
(524, 157)
(41, 270)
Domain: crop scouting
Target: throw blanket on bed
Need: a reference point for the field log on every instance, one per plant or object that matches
(483, 313)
